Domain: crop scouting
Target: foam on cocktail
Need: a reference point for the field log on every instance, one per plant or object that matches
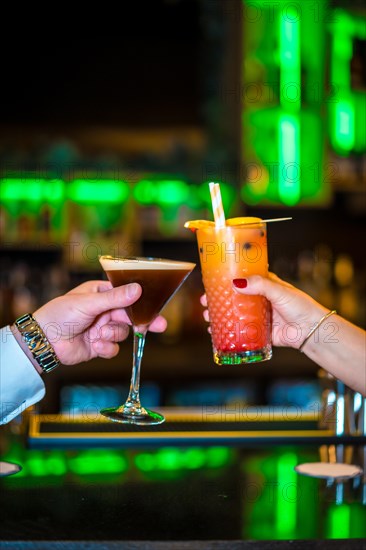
(112, 264)
(159, 279)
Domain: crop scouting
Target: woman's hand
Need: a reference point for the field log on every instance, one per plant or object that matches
(338, 346)
(294, 312)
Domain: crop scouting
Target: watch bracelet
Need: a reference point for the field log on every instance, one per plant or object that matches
(37, 342)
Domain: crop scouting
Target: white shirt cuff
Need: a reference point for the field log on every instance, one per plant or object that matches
(20, 384)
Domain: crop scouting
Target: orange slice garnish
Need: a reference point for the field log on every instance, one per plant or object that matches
(193, 225)
(243, 221)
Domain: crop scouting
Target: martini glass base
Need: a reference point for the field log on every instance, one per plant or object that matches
(139, 416)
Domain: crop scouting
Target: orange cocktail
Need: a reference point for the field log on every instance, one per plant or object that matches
(240, 325)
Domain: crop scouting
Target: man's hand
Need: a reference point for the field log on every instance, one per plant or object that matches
(89, 320)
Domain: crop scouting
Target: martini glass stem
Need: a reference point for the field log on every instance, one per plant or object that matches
(133, 399)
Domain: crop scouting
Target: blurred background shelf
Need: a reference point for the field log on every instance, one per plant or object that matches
(109, 133)
(107, 146)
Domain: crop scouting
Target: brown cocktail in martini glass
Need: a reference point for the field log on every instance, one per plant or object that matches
(160, 279)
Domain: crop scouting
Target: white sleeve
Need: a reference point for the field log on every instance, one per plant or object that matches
(20, 384)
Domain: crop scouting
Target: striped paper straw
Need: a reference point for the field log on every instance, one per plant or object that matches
(217, 206)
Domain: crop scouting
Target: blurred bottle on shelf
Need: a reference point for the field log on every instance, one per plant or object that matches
(305, 267)
(6, 292)
(333, 281)
(322, 275)
(174, 314)
(100, 229)
(55, 282)
(26, 228)
(348, 298)
(24, 299)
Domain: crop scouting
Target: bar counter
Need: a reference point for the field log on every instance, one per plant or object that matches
(164, 493)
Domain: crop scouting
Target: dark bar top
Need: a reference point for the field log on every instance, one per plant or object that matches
(334, 544)
(177, 494)
(197, 495)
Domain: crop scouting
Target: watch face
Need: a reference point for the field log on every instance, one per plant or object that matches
(37, 342)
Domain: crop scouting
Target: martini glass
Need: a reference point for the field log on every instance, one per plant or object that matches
(160, 279)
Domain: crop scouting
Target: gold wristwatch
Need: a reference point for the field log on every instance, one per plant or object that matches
(37, 342)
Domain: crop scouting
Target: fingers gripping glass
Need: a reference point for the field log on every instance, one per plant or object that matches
(160, 279)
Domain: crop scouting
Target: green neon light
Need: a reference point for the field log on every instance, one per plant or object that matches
(228, 195)
(194, 200)
(169, 459)
(145, 192)
(168, 194)
(145, 462)
(290, 64)
(172, 192)
(38, 464)
(100, 191)
(161, 192)
(56, 463)
(289, 125)
(357, 520)
(339, 517)
(96, 461)
(276, 128)
(347, 107)
(274, 500)
(216, 457)
(173, 459)
(194, 459)
(32, 190)
(289, 156)
(287, 496)
(344, 125)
